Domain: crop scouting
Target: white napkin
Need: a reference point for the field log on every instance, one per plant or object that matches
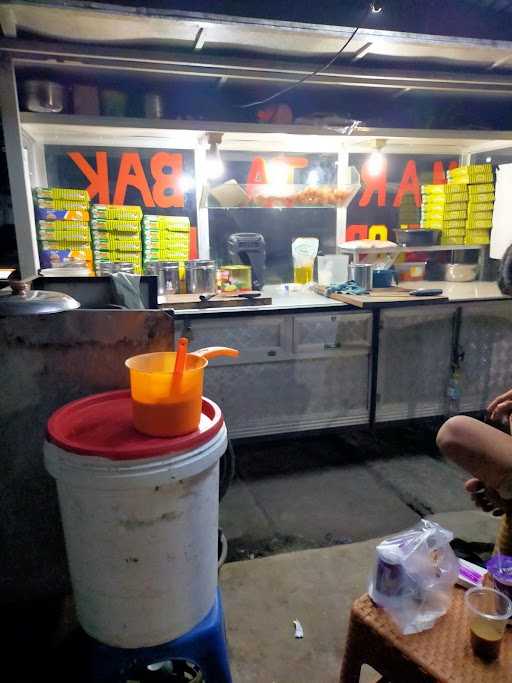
(501, 234)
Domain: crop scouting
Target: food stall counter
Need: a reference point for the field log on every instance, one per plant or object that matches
(286, 298)
(465, 291)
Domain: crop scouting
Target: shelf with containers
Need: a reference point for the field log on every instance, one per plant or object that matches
(163, 166)
(285, 181)
(361, 254)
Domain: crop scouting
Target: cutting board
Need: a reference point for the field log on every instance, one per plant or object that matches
(387, 296)
(183, 301)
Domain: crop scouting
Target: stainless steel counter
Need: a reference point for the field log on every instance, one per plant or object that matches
(291, 297)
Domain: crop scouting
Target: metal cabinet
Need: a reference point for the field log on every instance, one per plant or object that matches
(320, 333)
(294, 373)
(486, 340)
(258, 338)
(414, 361)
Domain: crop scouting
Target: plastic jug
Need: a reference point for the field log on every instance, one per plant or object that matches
(164, 403)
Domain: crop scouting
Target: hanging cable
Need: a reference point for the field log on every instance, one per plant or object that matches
(320, 70)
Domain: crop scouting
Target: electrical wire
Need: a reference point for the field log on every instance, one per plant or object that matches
(320, 70)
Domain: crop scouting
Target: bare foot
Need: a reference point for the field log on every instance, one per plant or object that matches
(486, 499)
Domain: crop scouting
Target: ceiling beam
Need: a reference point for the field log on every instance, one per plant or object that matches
(193, 65)
(500, 62)
(362, 52)
(200, 39)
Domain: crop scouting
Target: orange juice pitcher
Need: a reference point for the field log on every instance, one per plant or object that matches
(167, 389)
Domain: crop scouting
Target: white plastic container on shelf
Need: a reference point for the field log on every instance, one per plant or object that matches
(140, 518)
(412, 271)
(332, 269)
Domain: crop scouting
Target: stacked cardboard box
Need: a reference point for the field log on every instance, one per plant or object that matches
(116, 235)
(63, 227)
(165, 238)
(444, 207)
(479, 181)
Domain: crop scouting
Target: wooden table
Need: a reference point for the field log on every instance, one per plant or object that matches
(443, 654)
(381, 297)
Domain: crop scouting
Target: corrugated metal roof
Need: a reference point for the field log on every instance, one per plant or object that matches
(244, 48)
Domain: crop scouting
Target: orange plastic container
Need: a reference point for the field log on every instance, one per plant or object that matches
(166, 403)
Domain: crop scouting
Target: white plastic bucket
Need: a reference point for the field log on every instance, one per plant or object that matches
(141, 539)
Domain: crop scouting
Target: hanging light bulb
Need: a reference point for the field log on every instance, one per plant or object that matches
(313, 178)
(376, 161)
(277, 175)
(186, 183)
(214, 164)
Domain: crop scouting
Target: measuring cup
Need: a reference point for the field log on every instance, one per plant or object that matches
(165, 404)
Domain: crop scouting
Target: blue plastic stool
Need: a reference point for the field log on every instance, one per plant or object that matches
(205, 645)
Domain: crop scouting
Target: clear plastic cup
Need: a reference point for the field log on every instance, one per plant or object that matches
(488, 611)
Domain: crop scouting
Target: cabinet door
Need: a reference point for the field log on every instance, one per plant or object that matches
(291, 395)
(313, 388)
(324, 333)
(414, 362)
(486, 339)
(258, 338)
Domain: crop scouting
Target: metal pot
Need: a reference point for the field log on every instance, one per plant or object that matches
(43, 96)
(168, 274)
(362, 274)
(21, 300)
(200, 276)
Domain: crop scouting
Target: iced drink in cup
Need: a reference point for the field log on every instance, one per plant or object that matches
(488, 611)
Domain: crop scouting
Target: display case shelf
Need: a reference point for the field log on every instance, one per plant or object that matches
(397, 249)
(279, 195)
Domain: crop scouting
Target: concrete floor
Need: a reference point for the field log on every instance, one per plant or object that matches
(264, 596)
(321, 491)
(308, 513)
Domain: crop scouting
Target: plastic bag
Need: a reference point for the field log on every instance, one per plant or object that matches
(414, 575)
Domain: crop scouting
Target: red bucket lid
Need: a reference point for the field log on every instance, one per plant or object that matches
(102, 425)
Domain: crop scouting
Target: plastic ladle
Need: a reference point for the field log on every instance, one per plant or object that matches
(181, 356)
(179, 365)
(210, 352)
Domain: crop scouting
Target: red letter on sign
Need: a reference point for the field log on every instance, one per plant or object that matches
(293, 163)
(166, 189)
(409, 183)
(257, 173)
(130, 161)
(372, 184)
(98, 179)
(356, 232)
(438, 177)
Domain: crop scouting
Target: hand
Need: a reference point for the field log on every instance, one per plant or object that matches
(487, 499)
(500, 409)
